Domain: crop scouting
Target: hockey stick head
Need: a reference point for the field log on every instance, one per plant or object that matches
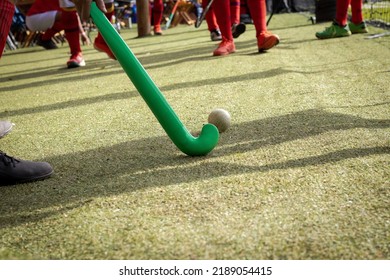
(201, 145)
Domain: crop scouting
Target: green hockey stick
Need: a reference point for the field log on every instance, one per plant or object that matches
(180, 136)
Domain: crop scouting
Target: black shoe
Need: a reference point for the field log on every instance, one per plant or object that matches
(47, 44)
(16, 171)
(245, 18)
(215, 35)
(238, 29)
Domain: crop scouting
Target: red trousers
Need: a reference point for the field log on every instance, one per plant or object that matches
(157, 12)
(342, 11)
(7, 10)
(212, 20)
(257, 9)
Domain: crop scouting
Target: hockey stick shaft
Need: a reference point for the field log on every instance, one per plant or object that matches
(203, 15)
(168, 24)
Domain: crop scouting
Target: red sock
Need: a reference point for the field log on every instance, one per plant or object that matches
(158, 9)
(51, 32)
(210, 17)
(258, 11)
(342, 12)
(7, 11)
(243, 7)
(72, 33)
(109, 14)
(73, 38)
(222, 12)
(235, 11)
(211, 20)
(99, 37)
(357, 15)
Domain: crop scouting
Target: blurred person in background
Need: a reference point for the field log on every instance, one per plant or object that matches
(258, 10)
(13, 170)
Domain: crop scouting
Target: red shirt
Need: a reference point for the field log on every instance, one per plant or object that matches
(42, 6)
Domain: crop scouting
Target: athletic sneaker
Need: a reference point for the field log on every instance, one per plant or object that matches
(216, 35)
(334, 31)
(76, 60)
(101, 46)
(47, 44)
(246, 19)
(238, 29)
(358, 28)
(15, 171)
(157, 30)
(266, 41)
(5, 128)
(225, 47)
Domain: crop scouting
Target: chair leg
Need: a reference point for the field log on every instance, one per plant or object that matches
(28, 39)
(274, 9)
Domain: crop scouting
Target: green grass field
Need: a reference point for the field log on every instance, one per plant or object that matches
(302, 173)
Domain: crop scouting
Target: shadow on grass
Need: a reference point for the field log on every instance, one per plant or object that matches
(132, 42)
(125, 95)
(70, 104)
(54, 75)
(60, 74)
(24, 51)
(148, 60)
(155, 162)
(101, 68)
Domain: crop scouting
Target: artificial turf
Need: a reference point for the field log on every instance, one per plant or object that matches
(302, 173)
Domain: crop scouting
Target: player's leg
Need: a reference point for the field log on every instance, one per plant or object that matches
(357, 24)
(222, 12)
(265, 39)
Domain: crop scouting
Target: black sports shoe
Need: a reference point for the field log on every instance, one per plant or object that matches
(16, 171)
(216, 35)
(47, 44)
(245, 18)
(238, 29)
